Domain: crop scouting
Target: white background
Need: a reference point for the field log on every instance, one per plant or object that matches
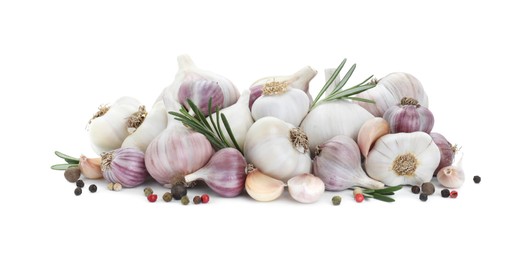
(59, 60)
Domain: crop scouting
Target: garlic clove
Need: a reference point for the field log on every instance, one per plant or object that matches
(452, 176)
(262, 187)
(371, 131)
(90, 167)
(306, 188)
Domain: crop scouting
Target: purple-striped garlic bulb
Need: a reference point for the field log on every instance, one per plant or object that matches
(125, 166)
(409, 117)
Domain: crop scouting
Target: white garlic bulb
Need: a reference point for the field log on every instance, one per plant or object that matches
(403, 158)
(155, 122)
(108, 129)
(277, 148)
(329, 119)
(278, 100)
(390, 90)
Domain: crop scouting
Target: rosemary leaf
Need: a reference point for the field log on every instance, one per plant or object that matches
(230, 132)
(390, 189)
(329, 82)
(362, 100)
(382, 197)
(62, 167)
(66, 157)
(342, 83)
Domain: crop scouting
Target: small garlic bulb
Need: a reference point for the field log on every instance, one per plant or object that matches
(109, 127)
(409, 117)
(403, 158)
(452, 176)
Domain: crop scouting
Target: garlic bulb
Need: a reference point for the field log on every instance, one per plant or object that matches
(199, 86)
(409, 117)
(261, 187)
(403, 158)
(452, 176)
(329, 119)
(225, 173)
(278, 100)
(390, 90)
(239, 118)
(299, 80)
(125, 166)
(277, 148)
(177, 151)
(371, 131)
(108, 128)
(306, 188)
(338, 164)
(447, 151)
(155, 122)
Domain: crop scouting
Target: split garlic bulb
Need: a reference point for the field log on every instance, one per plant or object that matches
(277, 148)
(155, 122)
(299, 80)
(109, 127)
(390, 90)
(278, 100)
(329, 119)
(409, 117)
(403, 158)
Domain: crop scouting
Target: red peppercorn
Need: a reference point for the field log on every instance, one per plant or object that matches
(359, 197)
(152, 197)
(453, 194)
(205, 198)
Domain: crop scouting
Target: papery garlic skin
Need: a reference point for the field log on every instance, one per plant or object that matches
(155, 122)
(306, 188)
(338, 163)
(261, 187)
(299, 80)
(329, 119)
(403, 159)
(278, 100)
(107, 132)
(390, 90)
(409, 117)
(370, 132)
(270, 147)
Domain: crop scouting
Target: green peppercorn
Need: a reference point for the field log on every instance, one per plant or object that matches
(428, 188)
(79, 183)
(476, 179)
(92, 188)
(423, 197)
(336, 200)
(445, 193)
(184, 200)
(197, 199)
(147, 191)
(178, 191)
(77, 191)
(167, 197)
(72, 174)
(415, 189)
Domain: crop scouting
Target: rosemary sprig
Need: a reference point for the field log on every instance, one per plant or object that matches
(209, 127)
(381, 194)
(338, 92)
(70, 162)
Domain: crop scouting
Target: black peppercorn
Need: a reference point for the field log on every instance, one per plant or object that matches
(92, 188)
(72, 174)
(79, 183)
(423, 197)
(184, 200)
(428, 188)
(178, 191)
(445, 193)
(197, 199)
(415, 189)
(476, 179)
(77, 191)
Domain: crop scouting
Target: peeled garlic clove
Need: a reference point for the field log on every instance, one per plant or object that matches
(452, 176)
(306, 188)
(299, 80)
(370, 131)
(261, 187)
(278, 100)
(90, 167)
(409, 117)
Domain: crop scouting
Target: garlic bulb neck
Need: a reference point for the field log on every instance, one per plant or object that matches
(106, 160)
(185, 62)
(299, 140)
(409, 101)
(274, 88)
(136, 119)
(405, 164)
(102, 109)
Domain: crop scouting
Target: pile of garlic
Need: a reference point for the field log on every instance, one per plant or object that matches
(281, 138)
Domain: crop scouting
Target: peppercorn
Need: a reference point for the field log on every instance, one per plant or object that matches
(152, 197)
(147, 191)
(178, 191)
(92, 188)
(205, 198)
(72, 174)
(117, 186)
(184, 200)
(79, 183)
(476, 179)
(110, 186)
(359, 197)
(453, 194)
(77, 191)
(197, 200)
(415, 189)
(445, 193)
(167, 197)
(423, 197)
(336, 200)
(428, 188)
